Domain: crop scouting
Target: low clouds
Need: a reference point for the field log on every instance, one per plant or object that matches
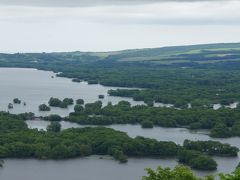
(102, 25)
(82, 3)
(169, 13)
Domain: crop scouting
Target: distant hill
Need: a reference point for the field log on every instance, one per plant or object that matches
(202, 54)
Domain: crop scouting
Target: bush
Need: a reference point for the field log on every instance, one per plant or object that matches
(68, 101)
(55, 102)
(16, 101)
(196, 160)
(147, 124)
(101, 96)
(54, 117)
(44, 107)
(79, 101)
(78, 108)
(54, 127)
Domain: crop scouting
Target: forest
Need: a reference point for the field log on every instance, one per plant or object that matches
(221, 123)
(17, 141)
(209, 73)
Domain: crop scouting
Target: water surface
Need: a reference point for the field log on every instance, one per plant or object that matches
(36, 87)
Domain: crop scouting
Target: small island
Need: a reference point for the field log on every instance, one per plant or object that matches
(79, 101)
(101, 96)
(16, 101)
(44, 107)
(10, 106)
(76, 80)
(55, 102)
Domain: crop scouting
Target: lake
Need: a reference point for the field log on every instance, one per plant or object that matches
(36, 87)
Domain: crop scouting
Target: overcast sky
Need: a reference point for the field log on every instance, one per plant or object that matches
(103, 25)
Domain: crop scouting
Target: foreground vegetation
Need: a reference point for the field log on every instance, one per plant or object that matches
(184, 173)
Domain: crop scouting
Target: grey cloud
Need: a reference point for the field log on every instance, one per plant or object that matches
(79, 3)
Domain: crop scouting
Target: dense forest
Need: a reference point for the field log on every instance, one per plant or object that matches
(17, 141)
(200, 75)
(221, 123)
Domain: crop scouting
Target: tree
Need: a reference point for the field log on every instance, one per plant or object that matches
(79, 101)
(220, 130)
(54, 117)
(233, 176)
(184, 173)
(44, 107)
(16, 101)
(101, 96)
(54, 127)
(78, 108)
(147, 124)
(236, 129)
(55, 102)
(68, 101)
(178, 173)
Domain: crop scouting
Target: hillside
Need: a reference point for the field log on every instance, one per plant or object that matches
(208, 53)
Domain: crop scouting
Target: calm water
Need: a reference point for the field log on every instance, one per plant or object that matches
(90, 168)
(36, 87)
(177, 135)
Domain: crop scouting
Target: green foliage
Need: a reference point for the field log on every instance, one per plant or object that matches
(53, 117)
(93, 108)
(16, 101)
(80, 142)
(211, 147)
(234, 176)
(11, 123)
(219, 122)
(55, 102)
(220, 130)
(173, 75)
(54, 127)
(178, 173)
(44, 107)
(79, 101)
(147, 124)
(236, 128)
(78, 108)
(196, 160)
(184, 173)
(101, 96)
(68, 101)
